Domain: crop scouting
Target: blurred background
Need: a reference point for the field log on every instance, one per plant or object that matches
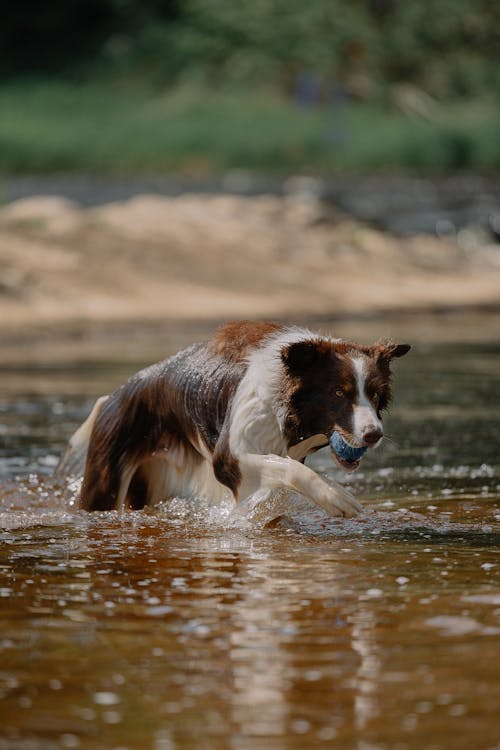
(207, 85)
(168, 160)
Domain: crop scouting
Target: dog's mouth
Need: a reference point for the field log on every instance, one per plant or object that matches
(347, 456)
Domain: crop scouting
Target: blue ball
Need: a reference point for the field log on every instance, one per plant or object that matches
(345, 451)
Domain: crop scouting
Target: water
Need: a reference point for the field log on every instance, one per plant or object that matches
(192, 626)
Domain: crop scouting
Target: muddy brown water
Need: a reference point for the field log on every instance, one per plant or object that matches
(195, 626)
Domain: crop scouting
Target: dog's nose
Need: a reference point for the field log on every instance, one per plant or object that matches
(372, 435)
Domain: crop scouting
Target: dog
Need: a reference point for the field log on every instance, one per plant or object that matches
(237, 414)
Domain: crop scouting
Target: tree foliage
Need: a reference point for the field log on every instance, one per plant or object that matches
(450, 47)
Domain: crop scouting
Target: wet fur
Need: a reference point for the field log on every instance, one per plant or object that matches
(226, 416)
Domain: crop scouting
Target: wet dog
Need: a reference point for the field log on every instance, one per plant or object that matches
(238, 413)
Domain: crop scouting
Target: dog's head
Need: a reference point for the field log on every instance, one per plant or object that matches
(339, 389)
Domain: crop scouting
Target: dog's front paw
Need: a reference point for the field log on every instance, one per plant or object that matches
(340, 502)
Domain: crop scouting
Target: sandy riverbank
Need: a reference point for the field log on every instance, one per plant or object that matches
(196, 258)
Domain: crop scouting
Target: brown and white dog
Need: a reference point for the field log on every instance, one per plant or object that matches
(238, 413)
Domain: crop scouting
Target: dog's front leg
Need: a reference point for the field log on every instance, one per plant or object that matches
(274, 472)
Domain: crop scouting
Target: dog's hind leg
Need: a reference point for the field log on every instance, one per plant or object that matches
(274, 472)
(72, 462)
(107, 487)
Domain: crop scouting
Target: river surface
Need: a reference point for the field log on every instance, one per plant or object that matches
(192, 626)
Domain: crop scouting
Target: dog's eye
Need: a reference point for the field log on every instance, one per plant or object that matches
(339, 393)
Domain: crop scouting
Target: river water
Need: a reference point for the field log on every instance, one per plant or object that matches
(195, 626)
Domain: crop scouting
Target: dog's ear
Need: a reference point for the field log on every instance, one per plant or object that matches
(398, 350)
(389, 350)
(302, 356)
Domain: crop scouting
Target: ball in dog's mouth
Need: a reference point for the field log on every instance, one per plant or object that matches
(346, 455)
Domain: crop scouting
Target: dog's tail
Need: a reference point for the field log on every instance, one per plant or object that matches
(72, 462)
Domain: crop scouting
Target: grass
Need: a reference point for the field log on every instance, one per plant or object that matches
(52, 126)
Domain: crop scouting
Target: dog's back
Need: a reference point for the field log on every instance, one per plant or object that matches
(151, 436)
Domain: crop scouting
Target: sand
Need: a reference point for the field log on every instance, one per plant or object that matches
(202, 258)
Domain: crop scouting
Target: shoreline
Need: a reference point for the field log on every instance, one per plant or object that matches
(401, 202)
(81, 280)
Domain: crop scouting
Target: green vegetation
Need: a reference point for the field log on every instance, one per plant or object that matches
(448, 48)
(54, 126)
(204, 85)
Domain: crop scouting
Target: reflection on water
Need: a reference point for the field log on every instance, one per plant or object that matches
(193, 626)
